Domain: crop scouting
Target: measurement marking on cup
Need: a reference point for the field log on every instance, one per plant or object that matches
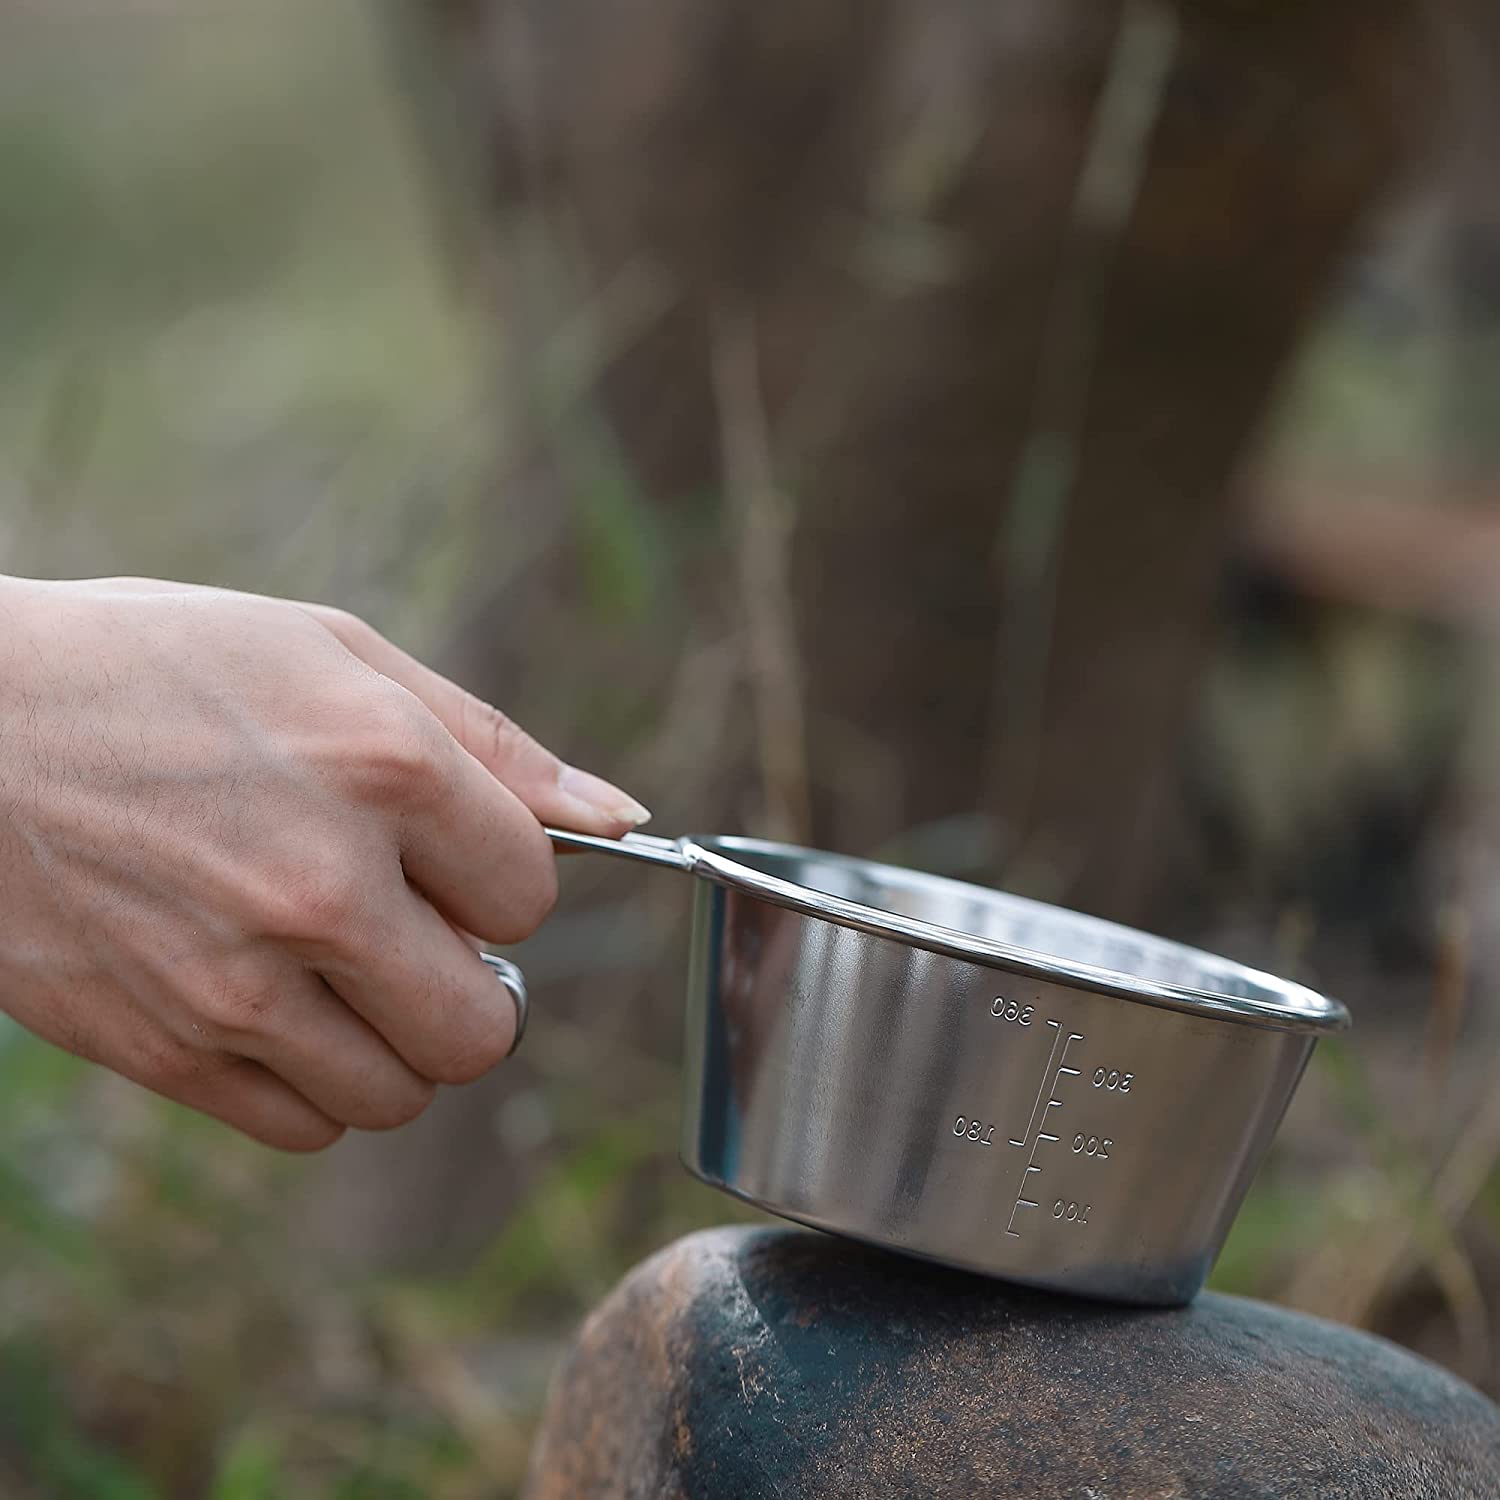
(1056, 1065)
(1055, 1070)
(1041, 1088)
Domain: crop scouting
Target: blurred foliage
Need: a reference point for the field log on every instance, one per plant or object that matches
(232, 348)
(238, 348)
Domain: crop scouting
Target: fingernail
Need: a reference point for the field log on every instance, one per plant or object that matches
(599, 796)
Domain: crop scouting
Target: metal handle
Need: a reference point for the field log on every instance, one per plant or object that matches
(638, 846)
(643, 847)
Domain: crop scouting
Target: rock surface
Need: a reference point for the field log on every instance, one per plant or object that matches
(748, 1363)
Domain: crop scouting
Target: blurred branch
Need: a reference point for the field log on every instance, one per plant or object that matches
(1459, 1283)
(420, 56)
(1350, 1277)
(601, 327)
(1031, 540)
(1383, 552)
(764, 521)
(498, 1441)
(1445, 1013)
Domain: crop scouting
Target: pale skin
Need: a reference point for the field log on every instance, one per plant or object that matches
(247, 846)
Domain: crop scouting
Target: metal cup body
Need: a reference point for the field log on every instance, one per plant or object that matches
(1012, 1125)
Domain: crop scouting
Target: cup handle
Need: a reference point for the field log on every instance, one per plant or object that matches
(642, 847)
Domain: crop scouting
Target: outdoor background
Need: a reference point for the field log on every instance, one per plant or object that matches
(1056, 445)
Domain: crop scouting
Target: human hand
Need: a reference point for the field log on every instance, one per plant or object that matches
(243, 842)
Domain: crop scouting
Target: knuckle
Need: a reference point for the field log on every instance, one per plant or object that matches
(342, 619)
(533, 893)
(478, 1055)
(533, 908)
(318, 902)
(166, 1065)
(395, 1107)
(343, 623)
(235, 1009)
(485, 1041)
(399, 761)
(542, 893)
(490, 735)
(305, 1136)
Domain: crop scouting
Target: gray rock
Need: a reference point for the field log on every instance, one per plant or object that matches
(748, 1363)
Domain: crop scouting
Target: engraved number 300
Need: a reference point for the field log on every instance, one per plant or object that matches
(1008, 1010)
(1112, 1079)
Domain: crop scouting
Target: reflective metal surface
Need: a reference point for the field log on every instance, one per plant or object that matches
(971, 1077)
(514, 981)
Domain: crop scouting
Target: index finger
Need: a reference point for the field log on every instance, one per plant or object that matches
(553, 790)
(468, 842)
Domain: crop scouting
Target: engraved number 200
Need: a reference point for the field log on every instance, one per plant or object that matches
(1008, 1010)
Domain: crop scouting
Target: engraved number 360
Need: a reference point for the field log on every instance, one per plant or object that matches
(1008, 1010)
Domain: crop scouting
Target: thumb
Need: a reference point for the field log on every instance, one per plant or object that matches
(553, 790)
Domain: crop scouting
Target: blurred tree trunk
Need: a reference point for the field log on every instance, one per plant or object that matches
(1016, 284)
(877, 374)
(1278, 129)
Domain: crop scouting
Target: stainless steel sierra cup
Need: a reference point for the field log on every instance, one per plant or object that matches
(973, 1077)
